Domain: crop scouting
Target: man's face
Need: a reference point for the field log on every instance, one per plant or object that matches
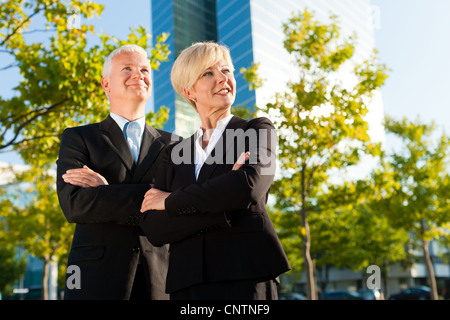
(129, 78)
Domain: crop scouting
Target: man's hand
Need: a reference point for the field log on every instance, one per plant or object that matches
(154, 199)
(84, 177)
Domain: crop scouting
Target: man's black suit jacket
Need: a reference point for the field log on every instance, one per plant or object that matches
(218, 227)
(108, 244)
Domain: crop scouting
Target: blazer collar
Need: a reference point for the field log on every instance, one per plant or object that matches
(182, 155)
(115, 138)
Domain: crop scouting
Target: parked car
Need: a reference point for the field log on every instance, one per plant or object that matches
(417, 293)
(371, 294)
(340, 295)
(291, 296)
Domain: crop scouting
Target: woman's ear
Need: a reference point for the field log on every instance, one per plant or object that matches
(189, 94)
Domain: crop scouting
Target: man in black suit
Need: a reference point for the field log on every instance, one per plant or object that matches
(101, 181)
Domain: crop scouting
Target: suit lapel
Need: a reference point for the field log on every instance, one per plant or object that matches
(222, 148)
(115, 138)
(183, 155)
(190, 166)
(151, 146)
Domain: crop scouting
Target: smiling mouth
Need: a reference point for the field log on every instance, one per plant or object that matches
(138, 85)
(224, 91)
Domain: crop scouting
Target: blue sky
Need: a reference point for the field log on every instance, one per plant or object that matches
(412, 37)
(414, 41)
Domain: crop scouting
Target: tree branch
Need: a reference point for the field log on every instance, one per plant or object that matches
(19, 117)
(37, 10)
(12, 65)
(25, 123)
(27, 140)
(39, 30)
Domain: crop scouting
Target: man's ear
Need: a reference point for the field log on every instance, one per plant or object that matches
(105, 85)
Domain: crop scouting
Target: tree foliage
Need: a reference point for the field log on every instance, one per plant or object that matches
(416, 189)
(61, 75)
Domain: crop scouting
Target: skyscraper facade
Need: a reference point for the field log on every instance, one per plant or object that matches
(252, 29)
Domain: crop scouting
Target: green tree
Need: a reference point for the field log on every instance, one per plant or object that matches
(321, 125)
(416, 198)
(350, 231)
(61, 75)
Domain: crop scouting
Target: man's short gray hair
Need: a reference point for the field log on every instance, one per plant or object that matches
(107, 65)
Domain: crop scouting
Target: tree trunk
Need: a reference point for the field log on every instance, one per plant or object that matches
(311, 291)
(430, 268)
(45, 278)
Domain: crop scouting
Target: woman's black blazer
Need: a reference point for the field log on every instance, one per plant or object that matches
(218, 227)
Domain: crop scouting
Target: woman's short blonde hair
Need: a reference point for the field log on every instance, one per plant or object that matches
(193, 61)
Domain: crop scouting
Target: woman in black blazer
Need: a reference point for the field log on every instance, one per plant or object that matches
(211, 210)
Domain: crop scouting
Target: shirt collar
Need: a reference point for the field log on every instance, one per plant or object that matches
(121, 121)
(221, 125)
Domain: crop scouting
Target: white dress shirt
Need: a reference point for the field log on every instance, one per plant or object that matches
(200, 153)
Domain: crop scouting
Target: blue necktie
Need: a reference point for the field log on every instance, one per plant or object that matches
(132, 132)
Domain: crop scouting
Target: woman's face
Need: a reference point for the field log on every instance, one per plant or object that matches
(216, 87)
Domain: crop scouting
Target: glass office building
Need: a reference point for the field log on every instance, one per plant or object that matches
(252, 29)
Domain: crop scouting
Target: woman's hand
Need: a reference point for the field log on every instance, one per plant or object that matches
(154, 199)
(84, 177)
(241, 160)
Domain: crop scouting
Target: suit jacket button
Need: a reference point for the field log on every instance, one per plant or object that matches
(136, 249)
